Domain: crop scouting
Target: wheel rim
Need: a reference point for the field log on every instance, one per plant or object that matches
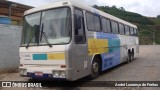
(95, 67)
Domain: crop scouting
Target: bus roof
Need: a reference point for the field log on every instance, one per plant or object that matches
(75, 3)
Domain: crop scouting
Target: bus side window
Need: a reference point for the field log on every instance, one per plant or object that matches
(97, 23)
(106, 26)
(90, 21)
(80, 37)
(121, 29)
(93, 22)
(109, 26)
(132, 31)
(127, 32)
(135, 32)
(114, 27)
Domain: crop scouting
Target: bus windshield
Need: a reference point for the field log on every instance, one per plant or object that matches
(55, 23)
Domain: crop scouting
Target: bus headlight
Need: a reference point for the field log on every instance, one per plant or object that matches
(58, 74)
(62, 74)
(22, 71)
(55, 74)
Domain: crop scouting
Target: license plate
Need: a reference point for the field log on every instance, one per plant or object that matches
(38, 74)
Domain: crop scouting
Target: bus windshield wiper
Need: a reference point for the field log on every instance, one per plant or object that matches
(36, 35)
(45, 36)
(30, 40)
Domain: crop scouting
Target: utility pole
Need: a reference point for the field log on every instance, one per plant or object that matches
(10, 9)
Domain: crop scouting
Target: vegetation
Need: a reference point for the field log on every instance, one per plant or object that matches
(148, 34)
(155, 20)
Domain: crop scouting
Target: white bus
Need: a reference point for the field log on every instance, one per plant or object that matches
(68, 40)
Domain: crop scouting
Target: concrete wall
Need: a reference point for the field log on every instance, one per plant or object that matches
(10, 37)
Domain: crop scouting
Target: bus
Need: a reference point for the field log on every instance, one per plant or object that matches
(69, 40)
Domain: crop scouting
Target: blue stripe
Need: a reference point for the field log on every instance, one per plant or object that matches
(39, 56)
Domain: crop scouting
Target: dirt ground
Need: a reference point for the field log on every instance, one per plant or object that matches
(145, 67)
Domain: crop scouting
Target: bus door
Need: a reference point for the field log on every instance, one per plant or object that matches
(80, 49)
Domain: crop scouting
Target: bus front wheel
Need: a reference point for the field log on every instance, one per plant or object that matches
(95, 69)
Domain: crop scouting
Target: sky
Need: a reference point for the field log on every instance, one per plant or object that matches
(150, 8)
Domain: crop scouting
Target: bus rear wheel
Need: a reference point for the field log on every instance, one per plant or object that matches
(95, 69)
(128, 58)
(132, 55)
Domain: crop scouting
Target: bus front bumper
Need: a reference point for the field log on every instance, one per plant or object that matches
(43, 73)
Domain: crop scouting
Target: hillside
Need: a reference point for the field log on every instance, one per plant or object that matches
(146, 25)
(125, 15)
(155, 20)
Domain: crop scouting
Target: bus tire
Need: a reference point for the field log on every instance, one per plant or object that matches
(95, 68)
(132, 55)
(128, 58)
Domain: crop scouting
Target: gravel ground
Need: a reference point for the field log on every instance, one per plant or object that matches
(145, 67)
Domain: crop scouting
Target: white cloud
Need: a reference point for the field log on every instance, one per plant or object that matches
(144, 7)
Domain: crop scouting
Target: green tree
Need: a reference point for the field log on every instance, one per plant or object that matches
(114, 7)
(122, 9)
(158, 16)
(95, 6)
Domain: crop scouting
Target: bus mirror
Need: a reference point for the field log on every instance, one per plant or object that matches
(77, 22)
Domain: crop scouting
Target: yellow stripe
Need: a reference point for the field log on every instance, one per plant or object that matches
(97, 46)
(56, 56)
